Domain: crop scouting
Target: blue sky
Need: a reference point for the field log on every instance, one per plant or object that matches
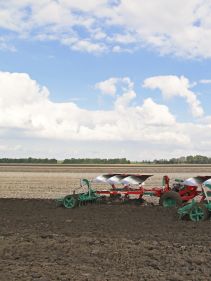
(105, 78)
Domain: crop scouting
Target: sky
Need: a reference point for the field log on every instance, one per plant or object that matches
(105, 78)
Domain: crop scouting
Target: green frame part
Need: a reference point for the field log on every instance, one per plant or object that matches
(208, 205)
(148, 193)
(72, 200)
(195, 211)
(185, 210)
(90, 195)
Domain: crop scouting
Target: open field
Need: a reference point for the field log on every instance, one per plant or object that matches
(41, 242)
(52, 181)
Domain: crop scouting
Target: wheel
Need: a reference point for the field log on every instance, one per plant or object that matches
(70, 202)
(198, 212)
(170, 199)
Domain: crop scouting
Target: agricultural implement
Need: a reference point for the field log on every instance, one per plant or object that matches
(129, 187)
(77, 199)
(198, 211)
(183, 191)
(126, 188)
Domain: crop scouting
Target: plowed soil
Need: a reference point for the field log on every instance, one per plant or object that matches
(41, 242)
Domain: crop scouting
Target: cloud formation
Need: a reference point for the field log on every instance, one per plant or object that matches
(27, 113)
(107, 87)
(172, 86)
(110, 86)
(205, 81)
(5, 45)
(26, 106)
(181, 28)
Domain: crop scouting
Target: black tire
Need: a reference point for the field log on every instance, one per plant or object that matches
(170, 199)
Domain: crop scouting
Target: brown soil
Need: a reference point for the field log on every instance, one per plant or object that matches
(41, 242)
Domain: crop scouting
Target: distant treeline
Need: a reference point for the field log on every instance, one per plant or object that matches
(197, 159)
(96, 161)
(29, 160)
(66, 161)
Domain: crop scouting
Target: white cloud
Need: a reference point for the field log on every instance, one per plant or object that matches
(5, 46)
(89, 47)
(181, 28)
(171, 86)
(107, 87)
(155, 24)
(25, 105)
(122, 39)
(143, 131)
(205, 81)
(110, 86)
(10, 148)
(123, 101)
(154, 116)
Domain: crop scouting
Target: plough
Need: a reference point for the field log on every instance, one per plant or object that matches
(198, 211)
(126, 188)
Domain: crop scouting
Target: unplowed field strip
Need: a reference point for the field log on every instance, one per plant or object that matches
(48, 181)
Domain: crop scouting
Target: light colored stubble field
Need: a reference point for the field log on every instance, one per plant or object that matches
(52, 182)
